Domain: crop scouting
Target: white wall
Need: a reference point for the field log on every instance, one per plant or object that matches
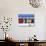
(10, 8)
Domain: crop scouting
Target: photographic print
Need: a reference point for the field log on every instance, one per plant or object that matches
(25, 19)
